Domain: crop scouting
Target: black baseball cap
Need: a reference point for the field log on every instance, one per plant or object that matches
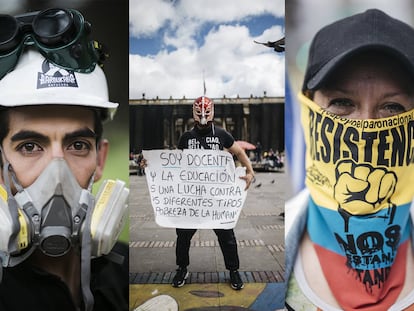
(371, 30)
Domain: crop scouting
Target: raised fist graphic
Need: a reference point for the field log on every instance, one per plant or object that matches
(361, 189)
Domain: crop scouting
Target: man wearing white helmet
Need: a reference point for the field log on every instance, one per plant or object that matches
(205, 135)
(56, 238)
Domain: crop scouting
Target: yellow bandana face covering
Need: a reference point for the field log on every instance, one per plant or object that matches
(360, 175)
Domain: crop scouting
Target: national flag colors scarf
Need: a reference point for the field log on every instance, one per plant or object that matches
(361, 180)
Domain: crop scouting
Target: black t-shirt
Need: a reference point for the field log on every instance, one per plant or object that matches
(24, 287)
(213, 137)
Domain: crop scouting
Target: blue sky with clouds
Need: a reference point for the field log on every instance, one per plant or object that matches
(175, 44)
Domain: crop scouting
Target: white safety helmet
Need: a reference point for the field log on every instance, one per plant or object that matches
(36, 81)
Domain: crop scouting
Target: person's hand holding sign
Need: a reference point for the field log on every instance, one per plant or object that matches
(244, 160)
(248, 178)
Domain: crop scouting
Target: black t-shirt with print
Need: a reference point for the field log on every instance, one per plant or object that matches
(213, 137)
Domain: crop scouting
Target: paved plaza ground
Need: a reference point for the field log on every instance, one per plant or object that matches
(260, 236)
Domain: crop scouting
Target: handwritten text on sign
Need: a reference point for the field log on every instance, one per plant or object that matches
(195, 188)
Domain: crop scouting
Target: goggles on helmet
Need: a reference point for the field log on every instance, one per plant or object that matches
(60, 35)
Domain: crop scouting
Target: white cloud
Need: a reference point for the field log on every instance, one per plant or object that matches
(271, 34)
(232, 64)
(146, 17)
(183, 36)
(229, 10)
(230, 61)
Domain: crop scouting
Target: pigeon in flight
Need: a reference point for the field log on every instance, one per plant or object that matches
(278, 46)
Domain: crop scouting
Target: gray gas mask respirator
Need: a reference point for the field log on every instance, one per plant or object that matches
(55, 214)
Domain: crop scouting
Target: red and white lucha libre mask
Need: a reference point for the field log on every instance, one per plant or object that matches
(203, 110)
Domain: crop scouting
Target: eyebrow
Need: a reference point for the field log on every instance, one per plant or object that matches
(85, 132)
(22, 135)
(27, 134)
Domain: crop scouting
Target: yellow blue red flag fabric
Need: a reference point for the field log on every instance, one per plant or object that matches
(360, 176)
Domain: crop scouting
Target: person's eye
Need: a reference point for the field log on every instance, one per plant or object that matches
(80, 147)
(394, 108)
(29, 148)
(341, 102)
(341, 106)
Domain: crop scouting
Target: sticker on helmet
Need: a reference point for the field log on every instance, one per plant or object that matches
(53, 76)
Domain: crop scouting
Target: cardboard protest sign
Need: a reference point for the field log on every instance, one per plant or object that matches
(195, 188)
